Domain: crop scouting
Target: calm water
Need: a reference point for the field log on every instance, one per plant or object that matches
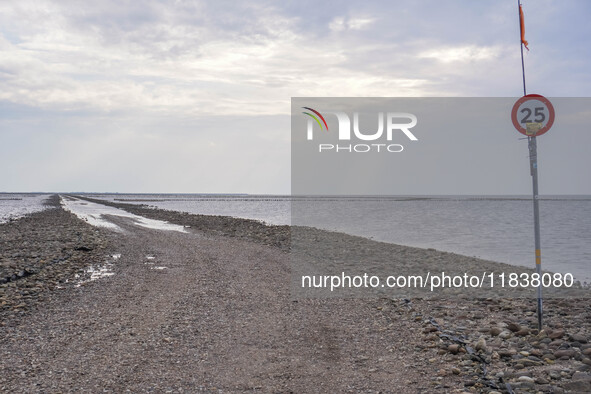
(13, 206)
(490, 228)
(270, 209)
(499, 229)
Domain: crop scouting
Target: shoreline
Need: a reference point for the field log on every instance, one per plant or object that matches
(477, 345)
(307, 238)
(58, 264)
(278, 234)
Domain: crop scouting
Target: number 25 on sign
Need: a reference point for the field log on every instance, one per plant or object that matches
(532, 115)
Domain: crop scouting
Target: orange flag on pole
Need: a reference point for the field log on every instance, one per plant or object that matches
(522, 27)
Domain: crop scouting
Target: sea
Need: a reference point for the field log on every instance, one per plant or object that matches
(497, 228)
(14, 206)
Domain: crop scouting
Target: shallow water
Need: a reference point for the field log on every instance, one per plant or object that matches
(13, 206)
(95, 214)
(98, 271)
(498, 229)
(269, 209)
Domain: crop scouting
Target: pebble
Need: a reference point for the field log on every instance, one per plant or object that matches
(556, 334)
(556, 375)
(581, 376)
(522, 332)
(523, 373)
(505, 335)
(481, 345)
(578, 338)
(454, 348)
(495, 331)
(507, 353)
(578, 386)
(542, 380)
(564, 353)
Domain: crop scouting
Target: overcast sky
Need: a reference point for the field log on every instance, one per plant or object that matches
(194, 96)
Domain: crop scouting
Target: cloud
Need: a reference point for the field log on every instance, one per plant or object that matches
(461, 54)
(340, 23)
(359, 23)
(217, 58)
(107, 60)
(201, 58)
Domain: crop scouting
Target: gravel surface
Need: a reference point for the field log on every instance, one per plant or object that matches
(211, 310)
(45, 251)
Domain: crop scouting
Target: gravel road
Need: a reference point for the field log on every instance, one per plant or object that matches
(194, 312)
(211, 310)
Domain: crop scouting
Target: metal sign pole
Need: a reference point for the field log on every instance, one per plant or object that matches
(543, 121)
(533, 160)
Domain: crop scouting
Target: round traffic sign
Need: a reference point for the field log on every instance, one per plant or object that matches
(532, 115)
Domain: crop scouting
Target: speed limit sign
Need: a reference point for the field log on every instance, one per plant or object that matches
(532, 115)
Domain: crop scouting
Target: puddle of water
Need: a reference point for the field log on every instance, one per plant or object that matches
(98, 271)
(150, 263)
(94, 214)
